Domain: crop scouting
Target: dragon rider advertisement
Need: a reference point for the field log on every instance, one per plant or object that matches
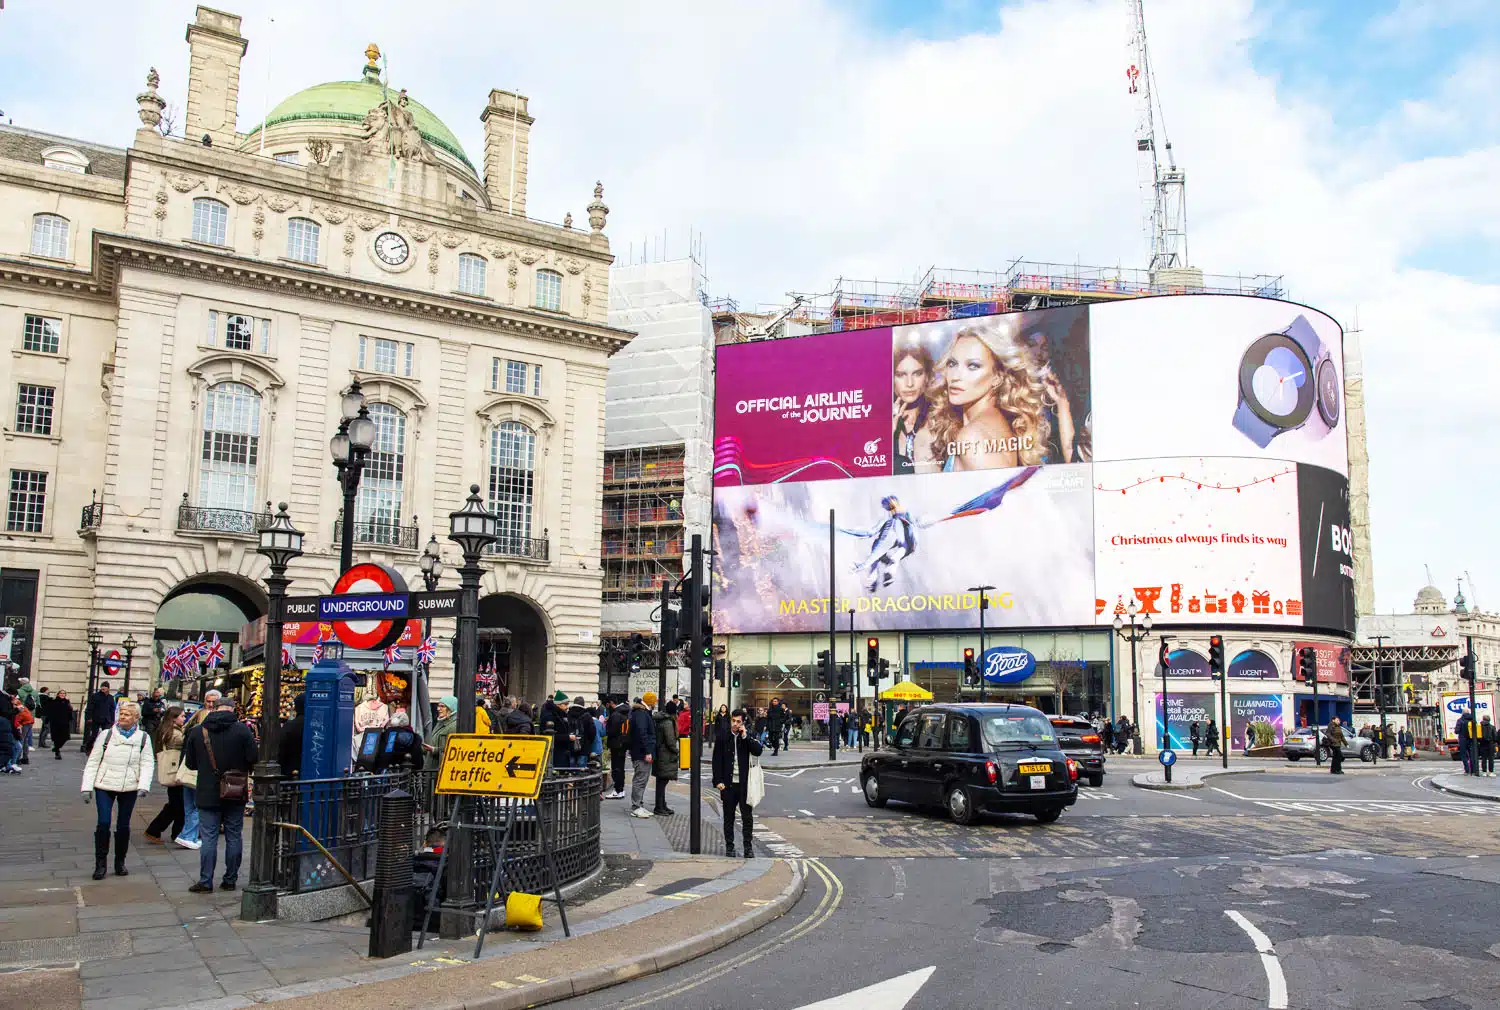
(906, 550)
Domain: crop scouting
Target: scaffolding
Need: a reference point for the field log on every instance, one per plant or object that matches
(643, 520)
(950, 293)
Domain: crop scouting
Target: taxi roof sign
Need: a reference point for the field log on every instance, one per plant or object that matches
(481, 764)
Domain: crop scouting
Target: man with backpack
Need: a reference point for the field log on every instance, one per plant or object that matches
(616, 739)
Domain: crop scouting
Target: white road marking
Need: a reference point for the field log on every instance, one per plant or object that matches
(1179, 794)
(1275, 980)
(788, 775)
(855, 789)
(827, 789)
(1091, 794)
(809, 813)
(899, 872)
(892, 994)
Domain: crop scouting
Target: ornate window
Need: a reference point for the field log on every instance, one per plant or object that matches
(378, 354)
(302, 240)
(381, 486)
(49, 236)
(471, 274)
(65, 159)
(518, 377)
(39, 333)
(549, 290)
(236, 331)
(27, 504)
(210, 221)
(512, 483)
(231, 447)
(34, 409)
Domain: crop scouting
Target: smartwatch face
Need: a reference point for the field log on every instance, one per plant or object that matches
(1276, 380)
(1329, 392)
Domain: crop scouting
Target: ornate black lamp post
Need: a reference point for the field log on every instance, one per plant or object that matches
(96, 639)
(1135, 635)
(280, 543)
(431, 564)
(432, 569)
(129, 646)
(473, 528)
(351, 448)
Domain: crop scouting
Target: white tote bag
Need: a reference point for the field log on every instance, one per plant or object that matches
(755, 784)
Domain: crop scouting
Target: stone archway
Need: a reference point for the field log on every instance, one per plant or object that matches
(513, 641)
(213, 603)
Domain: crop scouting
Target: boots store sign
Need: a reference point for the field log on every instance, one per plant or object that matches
(369, 606)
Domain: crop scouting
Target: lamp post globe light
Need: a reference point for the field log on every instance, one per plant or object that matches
(95, 639)
(432, 568)
(129, 646)
(280, 544)
(1136, 633)
(473, 528)
(350, 448)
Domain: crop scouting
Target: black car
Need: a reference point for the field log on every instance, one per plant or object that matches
(972, 758)
(1081, 742)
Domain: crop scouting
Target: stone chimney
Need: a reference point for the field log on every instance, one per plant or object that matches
(507, 138)
(215, 48)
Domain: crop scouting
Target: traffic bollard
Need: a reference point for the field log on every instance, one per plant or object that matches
(390, 911)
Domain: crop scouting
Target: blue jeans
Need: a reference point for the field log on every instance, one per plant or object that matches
(15, 751)
(230, 820)
(189, 832)
(104, 802)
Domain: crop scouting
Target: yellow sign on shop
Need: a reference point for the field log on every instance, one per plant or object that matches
(478, 764)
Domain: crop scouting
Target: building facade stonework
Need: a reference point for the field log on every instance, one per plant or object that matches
(184, 316)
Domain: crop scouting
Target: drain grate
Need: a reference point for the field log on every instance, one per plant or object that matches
(64, 949)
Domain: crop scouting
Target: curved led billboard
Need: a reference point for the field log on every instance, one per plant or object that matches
(1187, 452)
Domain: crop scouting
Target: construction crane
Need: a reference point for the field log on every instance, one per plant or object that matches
(767, 329)
(1168, 227)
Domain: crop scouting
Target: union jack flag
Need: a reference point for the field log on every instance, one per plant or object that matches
(200, 648)
(317, 653)
(215, 654)
(286, 656)
(169, 665)
(392, 654)
(427, 651)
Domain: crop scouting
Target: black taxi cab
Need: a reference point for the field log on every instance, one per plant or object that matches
(969, 759)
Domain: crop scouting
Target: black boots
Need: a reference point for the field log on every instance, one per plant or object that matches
(122, 846)
(101, 851)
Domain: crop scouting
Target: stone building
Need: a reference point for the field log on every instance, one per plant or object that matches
(184, 316)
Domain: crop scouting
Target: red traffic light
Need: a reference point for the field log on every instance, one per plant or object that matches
(1216, 642)
(968, 654)
(872, 643)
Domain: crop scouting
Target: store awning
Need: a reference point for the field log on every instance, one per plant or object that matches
(906, 691)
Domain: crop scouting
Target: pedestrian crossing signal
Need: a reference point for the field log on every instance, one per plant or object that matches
(1307, 665)
(1216, 655)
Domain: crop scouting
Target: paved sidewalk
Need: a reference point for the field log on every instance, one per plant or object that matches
(142, 941)
(1475, 787)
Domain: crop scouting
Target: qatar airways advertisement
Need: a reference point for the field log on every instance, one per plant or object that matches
(1187, 453)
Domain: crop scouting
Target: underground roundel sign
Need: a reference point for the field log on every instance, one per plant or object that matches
(363, 580)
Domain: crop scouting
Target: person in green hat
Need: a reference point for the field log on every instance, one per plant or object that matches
(553, 721)
(447, 710)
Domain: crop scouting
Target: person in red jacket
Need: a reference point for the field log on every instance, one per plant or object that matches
(684, 721)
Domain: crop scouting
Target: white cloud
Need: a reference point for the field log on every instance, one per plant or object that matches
(804, 146)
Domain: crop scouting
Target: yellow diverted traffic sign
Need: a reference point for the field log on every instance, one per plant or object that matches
(479, 764)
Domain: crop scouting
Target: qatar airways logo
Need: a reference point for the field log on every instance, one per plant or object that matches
(873, 456)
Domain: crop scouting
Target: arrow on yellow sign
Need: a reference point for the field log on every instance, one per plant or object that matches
(479, 764)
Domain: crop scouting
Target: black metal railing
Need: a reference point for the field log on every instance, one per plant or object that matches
(92, 516)
(343, 814)
(198, 519)
(531, 548)
(379, 534)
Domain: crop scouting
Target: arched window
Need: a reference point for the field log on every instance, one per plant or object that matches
(49, 236)
(512, 484)
(302, 240)
(378, 509)
(471, 274)
(231, 447)
(210, 221)
(549, 290)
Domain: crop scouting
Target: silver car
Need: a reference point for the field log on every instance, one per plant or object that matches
(1299, 744)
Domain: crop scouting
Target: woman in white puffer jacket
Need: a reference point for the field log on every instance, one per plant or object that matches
(118, 771)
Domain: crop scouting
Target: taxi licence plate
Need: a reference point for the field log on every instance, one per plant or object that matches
(1036, 769)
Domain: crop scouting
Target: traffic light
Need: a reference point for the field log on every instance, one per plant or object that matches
(1164, 656)
(1467, 667)
(1216, 655)
(971, 672)
(636, 648)
(885, 670)
(825, 667)
(1307, 664)
(872, 654)
(719, 671)
(734, 677)
(669, 632)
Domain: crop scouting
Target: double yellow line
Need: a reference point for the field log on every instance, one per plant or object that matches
(833, 894)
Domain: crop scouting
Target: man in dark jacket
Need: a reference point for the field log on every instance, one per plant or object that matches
(777, 718)
(553, 721)
(731, 771)
(518, 719)
(615, 729)
(222, 744)
(289, 747)
(584, 731)
(98, 715)
(641, 743)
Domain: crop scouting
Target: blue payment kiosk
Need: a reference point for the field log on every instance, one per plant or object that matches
(327, 741)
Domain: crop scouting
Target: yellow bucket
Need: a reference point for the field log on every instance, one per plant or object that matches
(523, 911)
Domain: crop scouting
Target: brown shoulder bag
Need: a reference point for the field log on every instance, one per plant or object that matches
(233, 785)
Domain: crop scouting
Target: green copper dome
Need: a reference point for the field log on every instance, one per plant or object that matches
(349, 101)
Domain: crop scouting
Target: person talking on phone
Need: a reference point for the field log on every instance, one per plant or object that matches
(731, 771)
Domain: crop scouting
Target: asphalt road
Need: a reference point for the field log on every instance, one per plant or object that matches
(1293, 889)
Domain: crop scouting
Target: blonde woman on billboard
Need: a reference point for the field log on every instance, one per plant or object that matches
(912, 377)
(990, 410)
